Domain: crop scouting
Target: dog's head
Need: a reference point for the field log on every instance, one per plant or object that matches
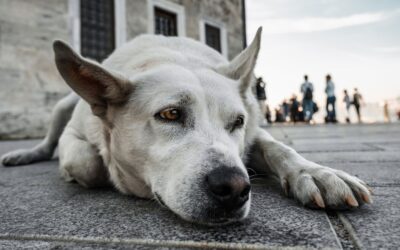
(174, 133)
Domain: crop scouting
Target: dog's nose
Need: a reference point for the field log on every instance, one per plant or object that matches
(229, 187)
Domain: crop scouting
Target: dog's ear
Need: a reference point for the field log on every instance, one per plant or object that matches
(97, 86)
(242, 66)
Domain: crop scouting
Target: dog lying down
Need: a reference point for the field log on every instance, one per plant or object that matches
(169, 118)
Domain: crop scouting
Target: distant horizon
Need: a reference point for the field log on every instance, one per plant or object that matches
(356, 42)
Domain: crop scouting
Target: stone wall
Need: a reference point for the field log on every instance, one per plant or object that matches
(228, 12)
(136, 18)
(29, 82)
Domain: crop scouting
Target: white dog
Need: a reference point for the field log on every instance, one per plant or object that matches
(171, 119)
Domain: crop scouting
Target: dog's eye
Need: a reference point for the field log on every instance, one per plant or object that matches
(238, 122)
(170, 114)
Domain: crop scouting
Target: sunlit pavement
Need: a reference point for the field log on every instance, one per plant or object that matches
(40, 210)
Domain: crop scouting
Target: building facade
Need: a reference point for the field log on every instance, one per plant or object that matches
(29, 82)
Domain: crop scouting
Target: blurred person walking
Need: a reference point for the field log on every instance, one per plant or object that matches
(357, 99)
(261, 97)
(330, 100)
(307, 90)
(294, 109)
(286, 109)
(386, 111)
(268, 115)
(347, 101)
(279, 114)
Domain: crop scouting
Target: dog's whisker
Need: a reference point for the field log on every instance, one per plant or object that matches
(258, 175)
(252, 170)
(256, 179)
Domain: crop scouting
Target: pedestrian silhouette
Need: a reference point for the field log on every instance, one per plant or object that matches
(294, 109)
(347, 101)
(357, 99)
(261, 97)
(330, 100)
(307, 90)
(386, 111)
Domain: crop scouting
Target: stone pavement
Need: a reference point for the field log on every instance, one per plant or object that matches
(39, 210)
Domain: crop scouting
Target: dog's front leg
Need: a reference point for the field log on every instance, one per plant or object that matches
(80, 160)
(310, 183)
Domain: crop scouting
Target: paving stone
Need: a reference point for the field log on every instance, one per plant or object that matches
(332, 147)
(277, 133)
(338, 138)
(339, 133)
(394, 145)
(18, 244)
(6, 146)
(377, 225)
(375, 174)
(353, 157)
(334, 140)
(59, 245)
(338, 130)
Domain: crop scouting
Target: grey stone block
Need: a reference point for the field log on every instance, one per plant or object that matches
(317, 146)
(377, 225)
(353, 157)
(6, 146)
(376, 133)
(17, 244)
(60, 245)
(375, 174)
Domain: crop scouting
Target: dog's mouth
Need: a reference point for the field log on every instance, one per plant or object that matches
(160, 200)
(210, 216)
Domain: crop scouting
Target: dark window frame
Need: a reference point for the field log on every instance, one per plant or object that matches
(97, 28)
(165, 22)
(213, 36)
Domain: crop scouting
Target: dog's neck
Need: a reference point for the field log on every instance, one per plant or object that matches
(128, 182)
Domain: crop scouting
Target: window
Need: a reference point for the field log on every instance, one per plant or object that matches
(166, 17)
(97, 28)
(213, 37)
(165, 22)
(214, 34)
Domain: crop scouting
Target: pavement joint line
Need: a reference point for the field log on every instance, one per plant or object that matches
(338, 151)
(384, 184)
(353, 235)
(343, 235)
(373, 145)
(353, 161)
(148, 242)
(333, 231)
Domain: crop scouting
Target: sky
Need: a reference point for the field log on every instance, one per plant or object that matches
(356, 41)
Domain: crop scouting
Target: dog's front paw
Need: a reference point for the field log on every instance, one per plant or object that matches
(323, 187)
(18, 157)
(23, 157)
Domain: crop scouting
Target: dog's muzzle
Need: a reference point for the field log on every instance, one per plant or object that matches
(228, 187)
(228, 190)
(221, 198)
